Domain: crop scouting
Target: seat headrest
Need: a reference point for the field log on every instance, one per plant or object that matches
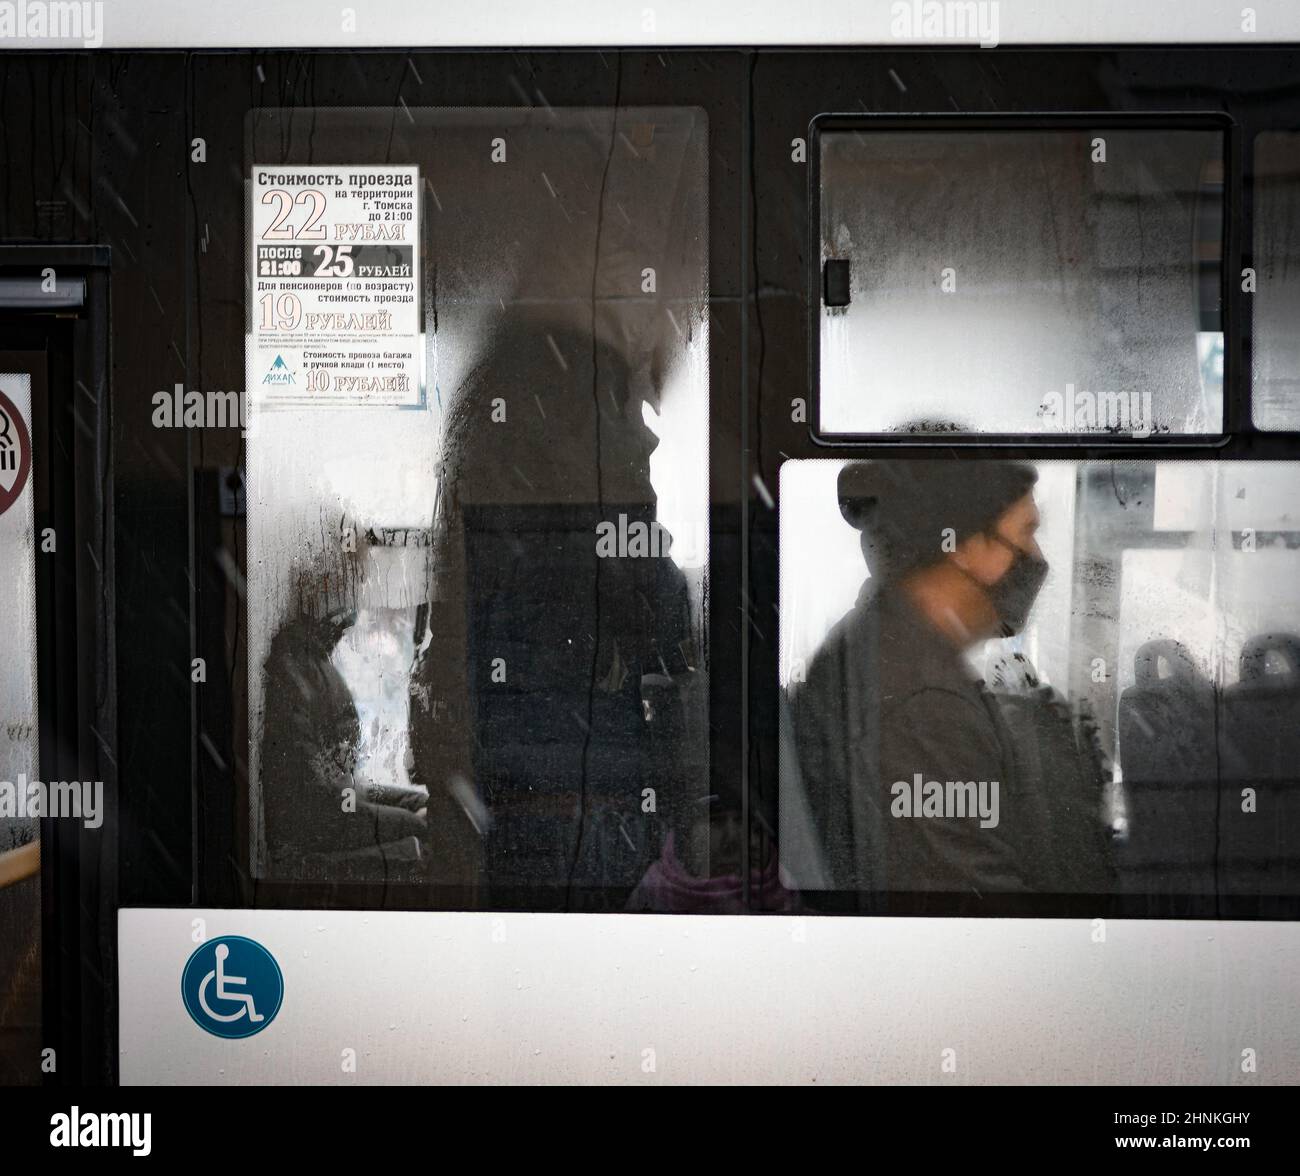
(1285, 647)
(1175, 656)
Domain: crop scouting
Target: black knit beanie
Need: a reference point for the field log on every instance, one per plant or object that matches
(903, 508)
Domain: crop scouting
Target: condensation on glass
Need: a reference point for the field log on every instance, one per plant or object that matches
(20, 906)
(477, 628)
(1049, 282)
(18, 755)
(1275, 303)
(1148, 710)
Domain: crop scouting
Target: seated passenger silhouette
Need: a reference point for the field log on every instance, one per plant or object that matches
(320, 820)
(912, 775)
(700, 870)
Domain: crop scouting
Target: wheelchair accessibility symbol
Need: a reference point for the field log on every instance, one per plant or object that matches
(232, 987)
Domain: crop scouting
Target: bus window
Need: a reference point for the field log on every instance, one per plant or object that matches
(18, 663)
(477, 605)
(20, 771)
(1054, 677)
(1049, 282)
(1276, 300)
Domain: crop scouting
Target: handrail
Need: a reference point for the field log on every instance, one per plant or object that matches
(17, 865)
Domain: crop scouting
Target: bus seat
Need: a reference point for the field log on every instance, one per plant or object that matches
(1167, 751)
(1261, 752)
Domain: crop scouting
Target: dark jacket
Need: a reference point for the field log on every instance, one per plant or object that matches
(888, 697)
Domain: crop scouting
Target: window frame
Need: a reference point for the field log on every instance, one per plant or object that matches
(1236, 372)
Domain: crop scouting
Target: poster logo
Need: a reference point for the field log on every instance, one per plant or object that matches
(15, 453)
(232, 987)
(279, 373)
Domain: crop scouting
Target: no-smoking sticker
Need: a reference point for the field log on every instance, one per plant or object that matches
(15, 453)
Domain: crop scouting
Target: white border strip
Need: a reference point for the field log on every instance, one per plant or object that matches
(412, 24)
(425, 997)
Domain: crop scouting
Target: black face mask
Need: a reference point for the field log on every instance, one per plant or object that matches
(1014, 594)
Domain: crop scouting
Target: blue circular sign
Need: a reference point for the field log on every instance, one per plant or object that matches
(232, 986)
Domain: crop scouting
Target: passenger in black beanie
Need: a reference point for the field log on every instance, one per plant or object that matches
(909, 769)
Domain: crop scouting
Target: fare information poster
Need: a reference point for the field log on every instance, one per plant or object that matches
(336, 286)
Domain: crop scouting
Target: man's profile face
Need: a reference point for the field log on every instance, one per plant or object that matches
(988, 560)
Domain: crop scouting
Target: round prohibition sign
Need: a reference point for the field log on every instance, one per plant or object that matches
(15, 453)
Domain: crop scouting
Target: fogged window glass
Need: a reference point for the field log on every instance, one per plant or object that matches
(18, 745)
(1052, 677)
(20, 898)
(1045, 282)
(477, 617)
(1276, 301)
